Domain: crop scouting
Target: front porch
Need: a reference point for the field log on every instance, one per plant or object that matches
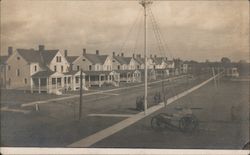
(55, 83)
(162, 73)
(98, 78)
(129, 75)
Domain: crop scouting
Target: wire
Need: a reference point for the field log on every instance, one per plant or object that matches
(130, 30)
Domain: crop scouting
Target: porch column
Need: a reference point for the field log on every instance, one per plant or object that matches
(47, 84)
(127, 78)
(56, 83)
(31, 85)
(99, 80)
(73, 82)
(89, 81)
(39, 85)
(66, 78)
(62, 82)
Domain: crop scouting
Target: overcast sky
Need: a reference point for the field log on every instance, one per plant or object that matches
(197, 30)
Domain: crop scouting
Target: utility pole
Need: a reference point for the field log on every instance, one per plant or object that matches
(215, 82)
(163, 89)
(145, 3)
(80, 102)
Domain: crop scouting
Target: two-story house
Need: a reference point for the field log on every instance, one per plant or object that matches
(160, 66)
(128, 68)
(98, 68)
(40, 70)
(3, 67)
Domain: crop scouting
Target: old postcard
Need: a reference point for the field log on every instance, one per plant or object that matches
(124, 76)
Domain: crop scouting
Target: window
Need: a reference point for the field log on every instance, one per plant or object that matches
(55, 68)
(90, 67)
(18, 58)
(113, 60)
(78, 68)
(138, 67)
(118, 67)
(25, 81)
(9, 67)
(61, 68)
(18, 72)
(9, 81)
(58, 59)
(83, 59)
(35, 68)
(77, 79)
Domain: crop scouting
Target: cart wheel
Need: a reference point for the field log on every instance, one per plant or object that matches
(156, 124)
(188, 123)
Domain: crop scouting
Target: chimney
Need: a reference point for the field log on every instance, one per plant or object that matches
(10, 50)
(155, 55)
(122, 54)
(97, 52)
(65, 53)
(113, 53)
(83, 51)
(133, 55)
(41, 47)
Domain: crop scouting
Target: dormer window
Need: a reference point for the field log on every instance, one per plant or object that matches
(35, 68)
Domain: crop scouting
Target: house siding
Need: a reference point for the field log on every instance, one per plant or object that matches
(14, 81)
(58, 65)
(107, 66)
(84, 65)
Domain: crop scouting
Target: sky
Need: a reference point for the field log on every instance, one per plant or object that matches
(191, 30)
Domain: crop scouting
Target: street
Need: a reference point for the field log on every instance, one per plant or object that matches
(56, 123)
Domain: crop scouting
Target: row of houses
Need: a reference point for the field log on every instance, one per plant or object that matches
(53, 70)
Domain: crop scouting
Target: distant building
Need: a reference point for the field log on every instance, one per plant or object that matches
(3, 67)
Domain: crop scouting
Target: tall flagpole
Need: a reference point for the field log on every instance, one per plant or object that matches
(145, 3)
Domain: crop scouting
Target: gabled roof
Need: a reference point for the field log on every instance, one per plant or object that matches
(42, 57)
(71, 59)
(96, 59)
(45, 73)
(127, 71)
(123, 60)
(73, 72)
(120, 59)
(97, 73)
(3, 59)
(139, 60)
(158, 60)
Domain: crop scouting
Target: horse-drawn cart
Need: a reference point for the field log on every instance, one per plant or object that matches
(184, 120)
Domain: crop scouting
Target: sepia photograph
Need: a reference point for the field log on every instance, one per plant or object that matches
(125, 77)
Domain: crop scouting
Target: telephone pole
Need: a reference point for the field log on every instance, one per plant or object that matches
(145, 4)
(80, 102)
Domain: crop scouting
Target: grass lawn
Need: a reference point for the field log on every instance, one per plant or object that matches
(218, 129)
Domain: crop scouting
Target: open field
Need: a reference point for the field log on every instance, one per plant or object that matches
(56, 124)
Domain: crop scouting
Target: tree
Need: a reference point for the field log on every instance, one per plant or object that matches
(225, 60)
